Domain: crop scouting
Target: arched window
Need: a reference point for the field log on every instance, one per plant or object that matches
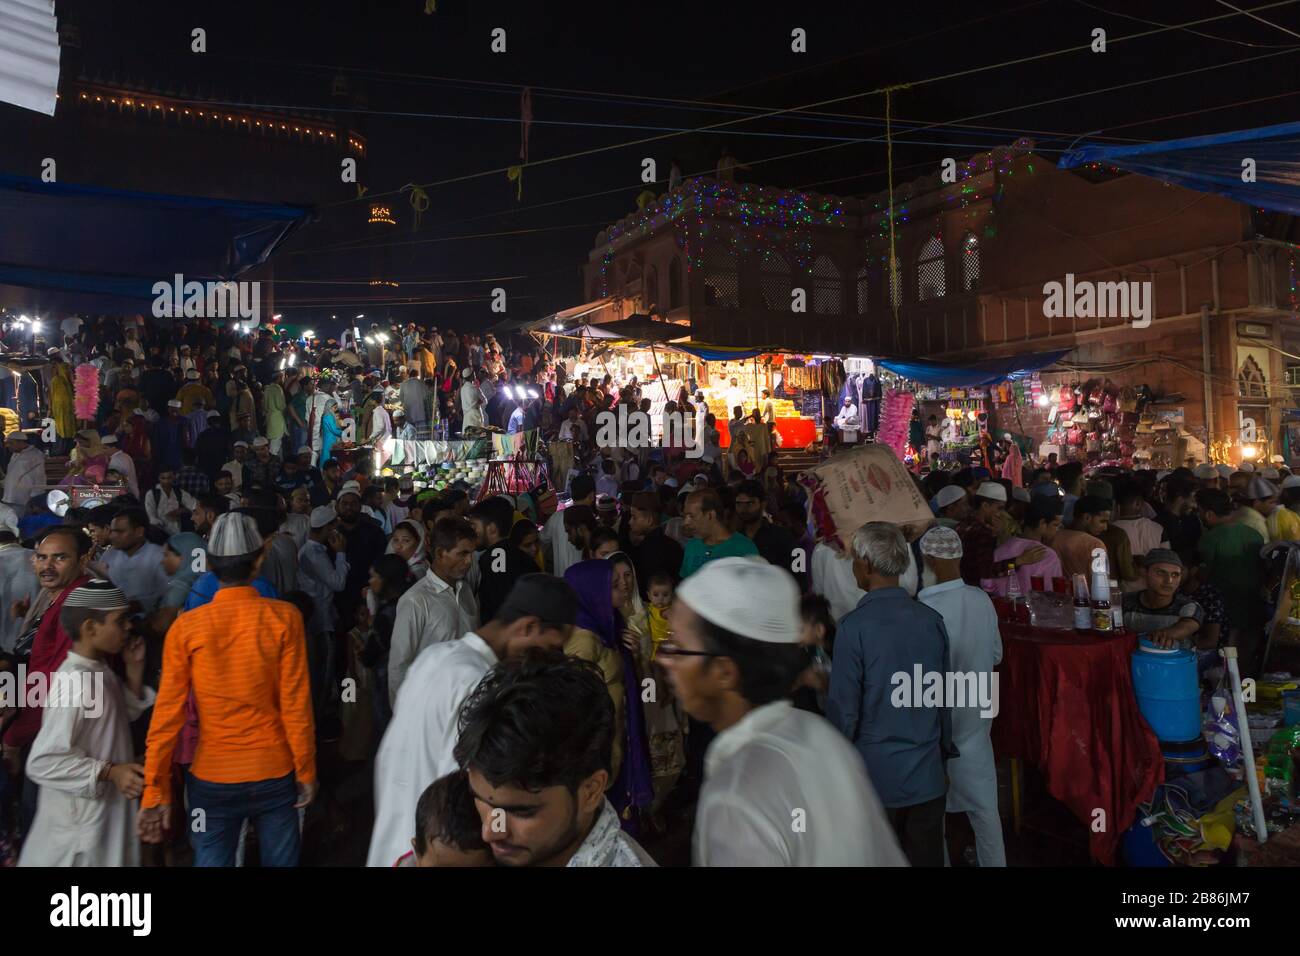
(631, 279)
(675, 284)
(862, 290)
(828, 296)
(970, 262)
(774, 281)
(651, 295)
(1250, 380)
(721, 278)
(931, 277)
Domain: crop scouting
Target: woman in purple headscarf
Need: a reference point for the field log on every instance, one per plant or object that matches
(597, 637)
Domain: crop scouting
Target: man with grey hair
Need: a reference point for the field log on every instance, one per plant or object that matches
(975, 648)
(886, 650)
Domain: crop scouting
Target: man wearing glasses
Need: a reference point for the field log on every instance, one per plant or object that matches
(781, 786)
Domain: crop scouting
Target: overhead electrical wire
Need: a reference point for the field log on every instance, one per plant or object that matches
(1199, 33)
(480, 235)
(516, 210)
(1251, 14)
(956, 74)
(800, 110)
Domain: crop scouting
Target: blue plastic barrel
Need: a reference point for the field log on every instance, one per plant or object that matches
(1185, 757)
(1140, 847)
(1167, 692)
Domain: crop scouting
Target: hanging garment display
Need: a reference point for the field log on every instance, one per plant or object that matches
(871, 402)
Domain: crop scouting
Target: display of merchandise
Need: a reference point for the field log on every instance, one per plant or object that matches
(895, 420)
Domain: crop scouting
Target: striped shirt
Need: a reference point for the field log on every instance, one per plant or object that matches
(245, 659)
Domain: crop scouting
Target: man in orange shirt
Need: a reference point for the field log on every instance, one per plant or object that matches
(244, 657)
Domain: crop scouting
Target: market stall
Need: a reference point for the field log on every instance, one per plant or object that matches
(973, 406)
(737, 377)
(1067, 708)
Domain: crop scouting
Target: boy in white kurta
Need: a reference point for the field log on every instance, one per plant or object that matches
(83, 759)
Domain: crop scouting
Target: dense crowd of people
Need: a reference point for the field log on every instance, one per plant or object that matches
(534, 685)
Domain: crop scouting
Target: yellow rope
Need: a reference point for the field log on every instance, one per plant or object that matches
(895, 289)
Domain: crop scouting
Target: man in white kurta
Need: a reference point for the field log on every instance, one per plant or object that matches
(974, 647)
(832, 577)
(472, 403)
(81, 819)
(165, 502)
(124, 465)
(25, 475)
(782, 787)
(381, 429)
(437, 608)
(17, 582)
(418, 744)
(848, 422)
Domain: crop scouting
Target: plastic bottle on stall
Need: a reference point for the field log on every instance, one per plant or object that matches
(1117, 611)
(1019, 609)
(1102, 621)
(1082, 604)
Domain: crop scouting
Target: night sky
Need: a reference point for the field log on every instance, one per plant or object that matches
(595, 65)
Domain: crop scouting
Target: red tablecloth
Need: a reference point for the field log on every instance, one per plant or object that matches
(1067, 707)
(794, 432)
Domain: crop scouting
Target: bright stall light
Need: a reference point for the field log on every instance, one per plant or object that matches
(1042, 401)
(1249, 451)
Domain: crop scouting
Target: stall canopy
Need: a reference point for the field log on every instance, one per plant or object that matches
(511, 326)
(974, 375)
(721, 353)
(1215, 164)
(642, 329)
(105, 248)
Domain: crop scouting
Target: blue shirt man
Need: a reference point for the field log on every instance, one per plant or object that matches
(886, 650)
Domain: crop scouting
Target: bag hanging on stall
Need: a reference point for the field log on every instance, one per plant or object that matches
(1128, 399)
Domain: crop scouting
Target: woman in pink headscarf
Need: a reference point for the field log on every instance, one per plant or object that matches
(1014, 466)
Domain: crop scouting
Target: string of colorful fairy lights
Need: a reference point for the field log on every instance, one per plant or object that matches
(751, 219)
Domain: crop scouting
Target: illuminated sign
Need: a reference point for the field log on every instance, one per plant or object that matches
(382, 214)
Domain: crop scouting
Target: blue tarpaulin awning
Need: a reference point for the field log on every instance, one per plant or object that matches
(109, 246)
(989, 372)
(1214, 164)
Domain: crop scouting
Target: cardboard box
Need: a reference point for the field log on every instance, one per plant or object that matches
(869, 483)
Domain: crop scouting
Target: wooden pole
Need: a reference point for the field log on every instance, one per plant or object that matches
(662, 383)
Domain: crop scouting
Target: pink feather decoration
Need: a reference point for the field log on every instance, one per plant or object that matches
(86, 394)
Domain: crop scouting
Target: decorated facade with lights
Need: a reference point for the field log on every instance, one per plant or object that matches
(973, 252)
